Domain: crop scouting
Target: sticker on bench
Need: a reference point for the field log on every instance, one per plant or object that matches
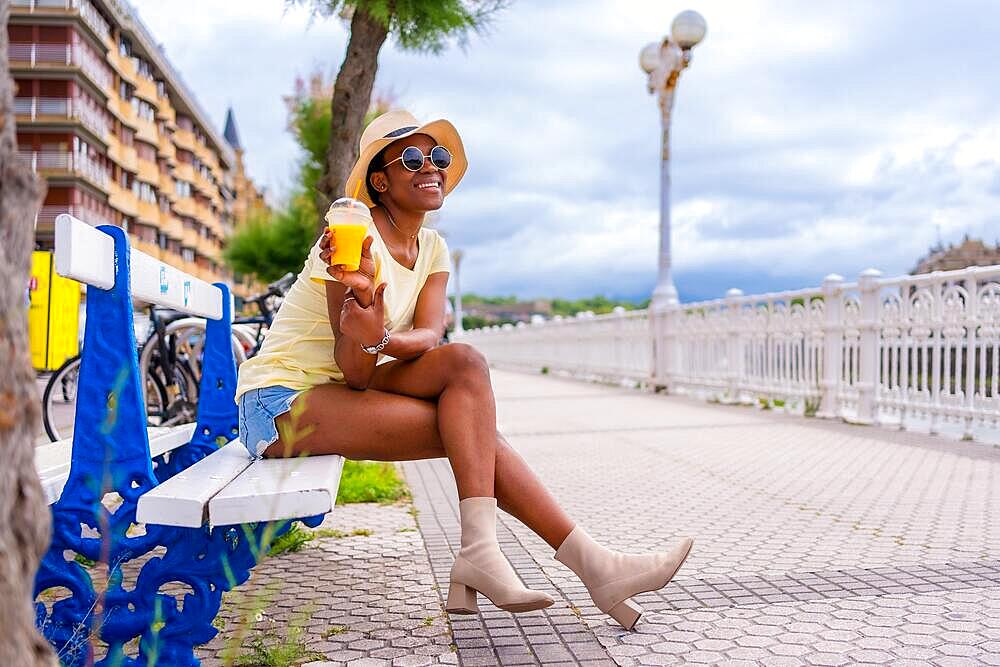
(187, 292)
(163, 280)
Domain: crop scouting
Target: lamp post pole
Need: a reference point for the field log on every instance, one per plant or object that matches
(456, 258)
(663, 62)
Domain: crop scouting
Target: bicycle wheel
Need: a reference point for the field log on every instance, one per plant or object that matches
(188, 336)
(59, 400)
(179, 388)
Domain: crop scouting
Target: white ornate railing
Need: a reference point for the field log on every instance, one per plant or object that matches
(913, 348)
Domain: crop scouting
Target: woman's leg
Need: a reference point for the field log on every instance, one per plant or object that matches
(396, 420)
(387, 423)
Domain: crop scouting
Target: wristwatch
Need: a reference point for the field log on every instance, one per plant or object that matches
(375, 349)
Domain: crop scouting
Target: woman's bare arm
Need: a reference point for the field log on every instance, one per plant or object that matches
(428, 321)
(356, 364)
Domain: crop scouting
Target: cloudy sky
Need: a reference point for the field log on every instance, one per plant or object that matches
(808, 138)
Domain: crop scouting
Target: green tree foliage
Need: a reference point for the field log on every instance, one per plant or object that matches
(422, 26)
(472, 299)
(597, 304)
(564, 307)
(270, 244)
(427, 26)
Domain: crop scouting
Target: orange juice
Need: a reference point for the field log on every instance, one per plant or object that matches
(348, 219)
(347, 240)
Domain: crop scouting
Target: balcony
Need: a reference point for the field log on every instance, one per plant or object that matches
(88, 14)
(184, 139)
(167, 187)
(126, 67)
(184, 172)
(62, 109)
(42, 56)
(208, 248)
(150, 249)
(146, 89)
(146, 131)
(125, 111)
(45, 219)
(148, 213)
(204, 153)
(165, 111)
(204, 185)
(171, 226)
(189, 238)
(64, 163)
(149, 172)
(166, 148)
(184, 206)
(125, 156)
(123, 200)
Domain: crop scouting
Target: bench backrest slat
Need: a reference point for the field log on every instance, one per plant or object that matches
(87, 254)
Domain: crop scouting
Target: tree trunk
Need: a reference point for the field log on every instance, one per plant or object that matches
(352, 95)
(24, 515)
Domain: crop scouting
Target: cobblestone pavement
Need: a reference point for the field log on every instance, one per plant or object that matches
(363, 599)
(816, 542)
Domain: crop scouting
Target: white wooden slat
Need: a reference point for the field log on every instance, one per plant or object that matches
(86, 254)
(274, 489)
(52, 460)
(183, 499)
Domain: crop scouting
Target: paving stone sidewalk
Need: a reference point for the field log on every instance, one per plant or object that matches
(365, 597)
(816, 543)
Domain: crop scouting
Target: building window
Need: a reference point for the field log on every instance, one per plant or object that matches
(187, 254)
(146, 192)
(183, 188)
(144, 109)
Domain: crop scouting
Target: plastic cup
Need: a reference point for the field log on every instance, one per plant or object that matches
(349, 220)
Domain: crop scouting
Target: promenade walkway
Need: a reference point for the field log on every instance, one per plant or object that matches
(815, 543)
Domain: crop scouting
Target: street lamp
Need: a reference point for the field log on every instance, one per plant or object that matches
(663, 62)
(456, 259)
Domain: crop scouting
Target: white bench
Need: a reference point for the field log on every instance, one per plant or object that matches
(52, 460)
(227, 487)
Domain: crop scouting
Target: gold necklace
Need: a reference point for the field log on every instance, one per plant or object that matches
(393, 223)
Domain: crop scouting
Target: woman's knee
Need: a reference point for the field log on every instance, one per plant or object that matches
(465, 361)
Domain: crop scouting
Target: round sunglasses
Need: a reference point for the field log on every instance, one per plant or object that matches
(413, 158)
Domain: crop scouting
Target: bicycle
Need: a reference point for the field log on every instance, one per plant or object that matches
(170, 391)
(171, 351)
(188, 332)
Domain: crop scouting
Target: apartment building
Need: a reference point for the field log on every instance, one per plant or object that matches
(104, 117)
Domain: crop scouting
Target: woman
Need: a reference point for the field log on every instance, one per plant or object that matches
(352, 366)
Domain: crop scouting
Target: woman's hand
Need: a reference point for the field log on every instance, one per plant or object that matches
(361, 281)
(365, 325)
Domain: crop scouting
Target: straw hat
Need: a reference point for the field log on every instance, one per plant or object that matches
(394, 125)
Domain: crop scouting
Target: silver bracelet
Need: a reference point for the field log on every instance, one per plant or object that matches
(375, 349)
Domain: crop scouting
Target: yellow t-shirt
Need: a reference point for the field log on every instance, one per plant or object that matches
(297, 351)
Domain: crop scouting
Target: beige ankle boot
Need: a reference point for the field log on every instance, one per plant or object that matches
(481, 567)
(612, 577)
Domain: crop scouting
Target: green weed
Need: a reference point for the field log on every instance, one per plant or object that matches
(370, 481)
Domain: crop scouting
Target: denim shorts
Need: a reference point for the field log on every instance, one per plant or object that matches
(258, 410)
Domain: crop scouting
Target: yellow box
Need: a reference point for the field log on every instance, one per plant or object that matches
(54, 314)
